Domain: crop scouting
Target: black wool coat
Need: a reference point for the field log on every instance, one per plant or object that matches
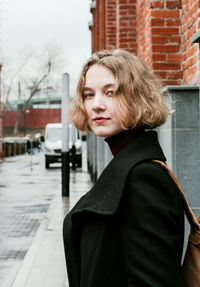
(128, 230)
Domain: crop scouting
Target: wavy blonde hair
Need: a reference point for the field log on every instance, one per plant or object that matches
(138, 95)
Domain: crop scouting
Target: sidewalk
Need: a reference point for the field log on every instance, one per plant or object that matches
(44, 263)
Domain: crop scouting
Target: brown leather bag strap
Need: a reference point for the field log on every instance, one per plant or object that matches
(188, 211)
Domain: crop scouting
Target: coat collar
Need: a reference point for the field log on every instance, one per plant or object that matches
(105, 196)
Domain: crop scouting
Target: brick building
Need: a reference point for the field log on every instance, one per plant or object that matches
(33, 121)
(39, 112)
(164, 34)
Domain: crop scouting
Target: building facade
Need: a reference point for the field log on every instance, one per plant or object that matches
(163, 33)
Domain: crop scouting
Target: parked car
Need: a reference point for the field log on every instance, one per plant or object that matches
(53, 144)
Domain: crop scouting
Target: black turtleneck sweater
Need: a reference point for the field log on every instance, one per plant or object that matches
(122, 139)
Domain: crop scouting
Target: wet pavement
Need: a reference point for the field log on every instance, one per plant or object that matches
(31, 216)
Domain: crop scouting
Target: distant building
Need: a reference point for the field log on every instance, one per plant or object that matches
(39, 112)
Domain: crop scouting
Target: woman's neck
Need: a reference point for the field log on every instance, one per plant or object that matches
(122, 139)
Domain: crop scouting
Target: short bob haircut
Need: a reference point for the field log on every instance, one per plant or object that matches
(138, 95)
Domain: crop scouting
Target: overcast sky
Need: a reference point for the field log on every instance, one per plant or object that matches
(34, 23)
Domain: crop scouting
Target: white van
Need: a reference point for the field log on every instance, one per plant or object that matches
(53, 144)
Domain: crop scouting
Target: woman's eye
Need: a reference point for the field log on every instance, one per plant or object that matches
(110, 93)
(87, 96)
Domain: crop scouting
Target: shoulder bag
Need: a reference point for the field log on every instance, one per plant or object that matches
(191, 262)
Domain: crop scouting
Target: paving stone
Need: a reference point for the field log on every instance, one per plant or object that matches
(25, 196)
(31, 215)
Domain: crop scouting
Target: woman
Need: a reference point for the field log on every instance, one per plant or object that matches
(128, 229)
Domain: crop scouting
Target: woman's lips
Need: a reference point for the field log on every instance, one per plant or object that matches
(100, 120)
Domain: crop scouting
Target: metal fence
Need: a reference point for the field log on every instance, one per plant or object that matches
(13, 146)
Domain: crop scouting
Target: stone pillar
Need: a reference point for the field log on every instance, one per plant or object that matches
(186, 141)
(180, 139)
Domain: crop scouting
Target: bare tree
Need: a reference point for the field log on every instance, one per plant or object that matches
(11, 81)
(36, 87)
(50, 65)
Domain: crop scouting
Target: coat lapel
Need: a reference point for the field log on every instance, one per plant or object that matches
(105, 196)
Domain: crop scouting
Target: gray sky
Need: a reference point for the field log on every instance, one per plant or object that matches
(34, 23)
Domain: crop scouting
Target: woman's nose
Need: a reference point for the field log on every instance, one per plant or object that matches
(98, 103)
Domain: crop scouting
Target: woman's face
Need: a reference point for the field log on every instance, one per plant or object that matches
(98, 101)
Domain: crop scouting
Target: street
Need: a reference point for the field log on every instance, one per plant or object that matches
(27, 190)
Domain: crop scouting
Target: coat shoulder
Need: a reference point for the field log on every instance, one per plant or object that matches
(152, 178)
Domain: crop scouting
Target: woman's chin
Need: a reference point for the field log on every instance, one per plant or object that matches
(105, 133)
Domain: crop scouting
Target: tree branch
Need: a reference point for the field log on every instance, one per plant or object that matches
(35, 89)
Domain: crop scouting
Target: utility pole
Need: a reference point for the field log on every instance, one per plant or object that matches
(65, 136)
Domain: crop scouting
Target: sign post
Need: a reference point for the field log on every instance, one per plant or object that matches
(65, 136)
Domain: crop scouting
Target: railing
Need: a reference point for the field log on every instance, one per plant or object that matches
(13, 146)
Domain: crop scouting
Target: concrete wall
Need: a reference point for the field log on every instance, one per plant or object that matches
(185, 141)
(181, 138)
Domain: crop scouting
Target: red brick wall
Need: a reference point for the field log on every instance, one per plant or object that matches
(126, 25)
(190, 24)
(33, 118)
(144, 32)
(110, 24)
(166, 40)
(158, 31)
(102, 25)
